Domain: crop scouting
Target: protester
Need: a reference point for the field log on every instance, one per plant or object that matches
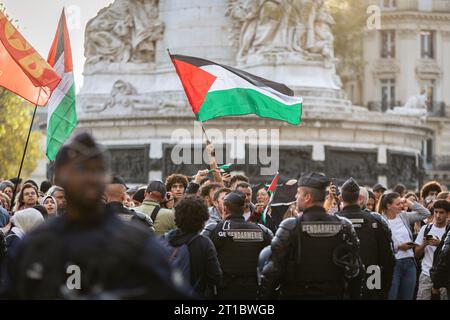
(428, 239)
(58, 193)
(404, 278)
(27, 197)
(236, 179)
(163, 219)
(45, 186)
(378, 190)
(50, 205)
(400, 189)
(372, 201)
(139, 196)
(23, 222)
(249, 207)
(205, 274)
(207, 193)
(176, 185)
(217, 211)
(7, 187)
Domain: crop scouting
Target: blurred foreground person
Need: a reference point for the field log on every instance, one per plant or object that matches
(89, 253)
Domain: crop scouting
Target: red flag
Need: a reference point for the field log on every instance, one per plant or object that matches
(22, 70)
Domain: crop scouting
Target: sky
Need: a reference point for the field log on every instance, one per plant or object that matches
(37, 21)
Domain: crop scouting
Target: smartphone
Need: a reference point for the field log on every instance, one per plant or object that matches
(412, 244)
(429, 237)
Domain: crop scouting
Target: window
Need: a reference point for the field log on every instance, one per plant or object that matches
(387, 94)
(428, 87)
(389, 3)
(427, 44)
(388, 44)
(429, 151)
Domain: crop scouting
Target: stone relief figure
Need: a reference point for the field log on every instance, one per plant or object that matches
(273, 26)
(125, 31)
(122, 94)
(320, 39)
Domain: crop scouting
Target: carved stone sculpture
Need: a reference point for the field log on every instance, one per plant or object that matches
(280, 26)
(125, 31)
(121, 94)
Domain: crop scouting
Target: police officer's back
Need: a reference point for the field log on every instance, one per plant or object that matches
(238, 244)
(89, 252)
(115, 194)
(375, 242)
(314, 254)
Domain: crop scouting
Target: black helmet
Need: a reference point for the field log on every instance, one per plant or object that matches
(263, 259)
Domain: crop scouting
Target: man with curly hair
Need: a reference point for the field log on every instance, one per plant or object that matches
(176, 184)
(430, 189)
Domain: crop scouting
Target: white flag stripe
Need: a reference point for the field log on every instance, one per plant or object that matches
(63, 87)
(227, 80)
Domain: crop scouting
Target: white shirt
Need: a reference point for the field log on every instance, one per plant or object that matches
(427, 261)
(400, 235)
(247, 215)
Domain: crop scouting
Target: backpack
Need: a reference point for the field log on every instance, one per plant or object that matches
(180, 260)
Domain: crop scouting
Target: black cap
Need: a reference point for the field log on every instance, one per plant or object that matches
(350, 186)
(378, 186)
(157, 186)
(139, 195)
(314, 180)
(236, 198)
(118, 180)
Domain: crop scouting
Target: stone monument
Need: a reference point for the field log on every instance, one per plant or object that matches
(133, 101)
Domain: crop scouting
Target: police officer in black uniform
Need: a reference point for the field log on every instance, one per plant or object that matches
(89, 252)
(238, 244)
(375, 245)
(115, 193)
(314, 255)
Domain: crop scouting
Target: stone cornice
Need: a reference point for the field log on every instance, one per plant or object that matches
(414, 16)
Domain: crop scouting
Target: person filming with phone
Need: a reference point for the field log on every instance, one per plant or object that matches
(404, 277)
(429, 237)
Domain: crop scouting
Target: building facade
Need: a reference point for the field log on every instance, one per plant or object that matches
(407, 60)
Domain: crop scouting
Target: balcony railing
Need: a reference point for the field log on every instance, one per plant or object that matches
(436, 109)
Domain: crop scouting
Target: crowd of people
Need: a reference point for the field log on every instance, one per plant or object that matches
(216, 236)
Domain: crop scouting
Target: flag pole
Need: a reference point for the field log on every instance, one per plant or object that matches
(25, 151)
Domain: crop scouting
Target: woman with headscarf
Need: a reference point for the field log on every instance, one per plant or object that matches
(23, 222)
(50, 204)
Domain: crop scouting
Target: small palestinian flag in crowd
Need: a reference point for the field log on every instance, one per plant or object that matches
(216, 90)
(271, 192)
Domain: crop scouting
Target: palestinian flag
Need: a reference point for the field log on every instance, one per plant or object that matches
(216, 90)
(271, 192)
(62, 114)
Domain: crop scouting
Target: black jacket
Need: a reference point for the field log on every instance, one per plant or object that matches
(204, 264)
(285, 252)
(376, 246)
